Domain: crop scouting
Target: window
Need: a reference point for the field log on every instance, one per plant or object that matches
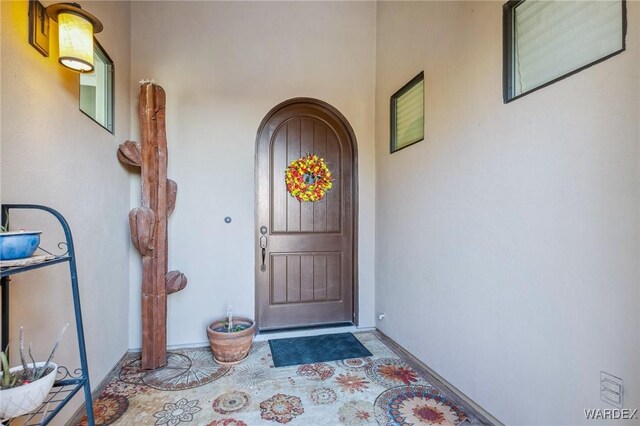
(96, 89)
(407, 114)
(545, 41)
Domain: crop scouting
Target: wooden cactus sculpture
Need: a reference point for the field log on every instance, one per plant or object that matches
(148, 223)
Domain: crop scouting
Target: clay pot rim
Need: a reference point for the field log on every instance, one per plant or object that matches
(241, 320)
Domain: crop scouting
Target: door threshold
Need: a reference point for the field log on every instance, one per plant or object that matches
(314, 330)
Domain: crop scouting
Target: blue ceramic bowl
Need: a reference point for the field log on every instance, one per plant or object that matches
(18, 245)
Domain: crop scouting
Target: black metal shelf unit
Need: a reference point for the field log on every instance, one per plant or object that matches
(67, 383)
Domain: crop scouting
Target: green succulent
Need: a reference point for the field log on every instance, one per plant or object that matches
(28, 373)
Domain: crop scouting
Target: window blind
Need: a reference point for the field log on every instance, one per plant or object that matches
(409, 117)
(554, 38)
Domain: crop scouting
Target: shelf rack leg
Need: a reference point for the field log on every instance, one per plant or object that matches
(4, 293)
(76, 306)
(5, 313)
(79, 327)
(81, 342)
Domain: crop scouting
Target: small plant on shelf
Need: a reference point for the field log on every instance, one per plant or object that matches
(27, 374)
(25, 387)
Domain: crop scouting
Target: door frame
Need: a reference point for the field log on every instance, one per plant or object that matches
(354, 172)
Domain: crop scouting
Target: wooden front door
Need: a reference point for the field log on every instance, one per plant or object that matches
(305, 252)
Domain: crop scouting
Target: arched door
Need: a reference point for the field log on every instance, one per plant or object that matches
(305, 251)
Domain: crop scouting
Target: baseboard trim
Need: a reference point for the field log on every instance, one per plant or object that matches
(263, 336)
(401, 351)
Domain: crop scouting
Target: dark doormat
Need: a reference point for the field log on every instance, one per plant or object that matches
(313, 349)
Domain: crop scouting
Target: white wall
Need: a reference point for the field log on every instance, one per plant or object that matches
(224, 65)
(507, 242)
(0, 98)
(53, 154)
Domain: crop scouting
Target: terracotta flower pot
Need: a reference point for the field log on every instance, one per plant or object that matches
(231, 348)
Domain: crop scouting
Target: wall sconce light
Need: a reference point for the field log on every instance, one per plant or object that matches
(76, 28)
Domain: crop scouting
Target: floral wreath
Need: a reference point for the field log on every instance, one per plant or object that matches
(308, 178)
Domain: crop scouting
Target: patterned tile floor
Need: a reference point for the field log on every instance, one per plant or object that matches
(383, 389)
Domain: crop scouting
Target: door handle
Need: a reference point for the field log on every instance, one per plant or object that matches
(263, 246)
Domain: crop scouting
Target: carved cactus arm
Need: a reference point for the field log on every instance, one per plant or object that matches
(141, 220)
(172, 191)
(129, 153)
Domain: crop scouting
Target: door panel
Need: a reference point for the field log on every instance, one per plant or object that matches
(305, 277)
(308, 276)
(292, 140)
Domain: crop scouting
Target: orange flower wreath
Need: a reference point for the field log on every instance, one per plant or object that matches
(308, 178)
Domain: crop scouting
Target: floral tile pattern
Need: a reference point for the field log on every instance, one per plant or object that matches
(227, 422)
(357, 413)
(107, 409)
(186, 369)
(230, 402)
(352, 383)
(416, 405)
(180, 412)
(193, 390)
(390, 372)
(281, 408)
(323, 396)
(320, 371)
(354, 364)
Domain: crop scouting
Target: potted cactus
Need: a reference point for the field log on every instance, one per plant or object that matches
(19, 244)
(231, 338)
(25, 387)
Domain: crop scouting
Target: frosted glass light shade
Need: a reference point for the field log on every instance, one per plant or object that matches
(75, 38)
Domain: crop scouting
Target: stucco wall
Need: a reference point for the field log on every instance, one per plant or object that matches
(53, 154)
(507, 241)
(224, 65)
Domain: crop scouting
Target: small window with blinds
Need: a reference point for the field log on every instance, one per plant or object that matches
(407, 114)
(546, 41)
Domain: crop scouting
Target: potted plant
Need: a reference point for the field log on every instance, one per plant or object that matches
(19, 244)
(231, 338)
(25, 387)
